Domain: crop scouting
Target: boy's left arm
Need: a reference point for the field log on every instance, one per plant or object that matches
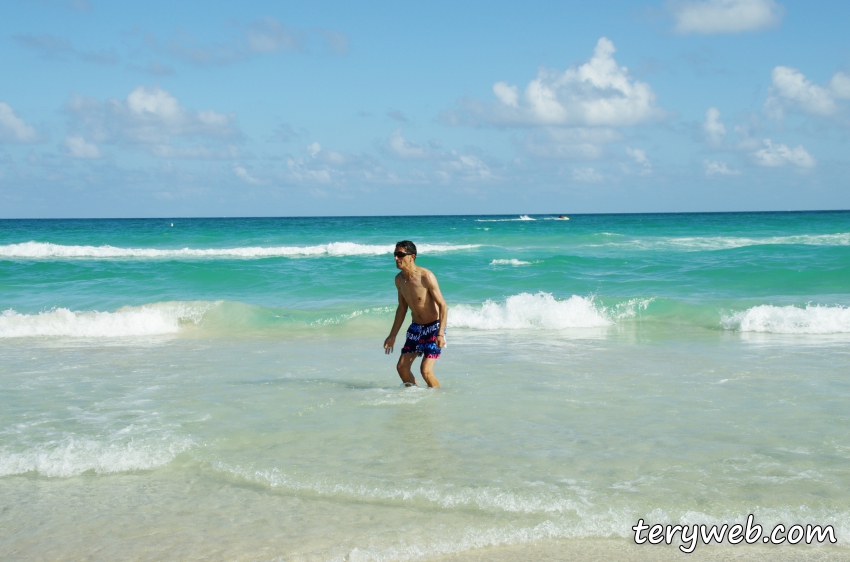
(434, 289)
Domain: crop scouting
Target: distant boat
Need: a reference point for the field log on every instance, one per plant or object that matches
(563, 218)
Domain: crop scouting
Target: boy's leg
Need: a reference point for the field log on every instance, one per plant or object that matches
(427, 371)
(403, 368)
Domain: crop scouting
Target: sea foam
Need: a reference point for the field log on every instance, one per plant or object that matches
(813, 319)
(521, 218)
(76, 455)
(147, 320)
(542, 311)
(510, 262)
(710, 243)
(44, 250)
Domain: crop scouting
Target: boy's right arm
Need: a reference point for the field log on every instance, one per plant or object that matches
(400, 313)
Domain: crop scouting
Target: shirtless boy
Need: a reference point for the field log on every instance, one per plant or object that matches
(426, 336)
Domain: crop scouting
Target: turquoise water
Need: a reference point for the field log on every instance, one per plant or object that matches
(216, 388)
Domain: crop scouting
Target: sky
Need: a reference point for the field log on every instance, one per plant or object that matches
(320, 108)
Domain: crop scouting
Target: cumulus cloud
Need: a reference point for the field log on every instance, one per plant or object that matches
(708, 17)
(13, 128)
(397, 116)
(447, 165)
(76, 5)
(244, 175)
(575, 143)
(717, 168)
(262, 36)
(468, 167)
(59, 48)
(153, 119)
(323, 166)
(77, 147)
(405, 149)
(790, 89)
(775, 155)
(586, 175)
(599, 93)
(715, 130)
(640, 159)
(286, 132)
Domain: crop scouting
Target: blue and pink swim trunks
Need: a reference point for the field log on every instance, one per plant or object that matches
(422, 340)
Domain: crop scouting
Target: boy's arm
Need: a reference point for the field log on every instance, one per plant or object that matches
(400, 313)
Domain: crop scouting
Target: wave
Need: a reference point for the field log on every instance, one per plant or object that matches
(74, 456)
(521, 218)
(44, 250)
(484, 498)
(542, 311)
(523, 311)
(709, 243)
(813, 319)
(510, 262)
(147, 320)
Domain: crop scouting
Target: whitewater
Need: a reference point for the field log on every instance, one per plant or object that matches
(217, 389)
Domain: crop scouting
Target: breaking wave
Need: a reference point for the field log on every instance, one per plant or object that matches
(708, 243)
(44, 250)
(813, 319)
(510, 262)
(147, 320)
(74, 456)
(542, 311)
(521, 218)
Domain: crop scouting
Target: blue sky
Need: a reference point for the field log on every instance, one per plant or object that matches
(206, 108)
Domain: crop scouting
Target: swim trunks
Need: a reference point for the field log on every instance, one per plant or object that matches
(422, 340)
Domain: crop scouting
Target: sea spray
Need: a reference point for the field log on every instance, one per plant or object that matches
(147, 320)
(42, 250)
(73, 456)
(540, 311)
(813, 319)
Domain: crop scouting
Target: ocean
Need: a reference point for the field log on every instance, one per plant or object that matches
(216, 389)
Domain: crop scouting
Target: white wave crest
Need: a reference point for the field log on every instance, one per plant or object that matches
(526, 311)
(814, 319)
(147, 320)
(74, 456)
(510, 262)
(521, 218)
(44, 250)
(710, 243)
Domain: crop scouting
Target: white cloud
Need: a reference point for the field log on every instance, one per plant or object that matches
(464, 166)
(790, 89)
(446, 165)
(330, 157)
(597, 93)
(153, 119)
(640, 158)
(262, 36)
(715, 130)
(405, 149)
(243, 174)
(586, 175)
(716, 168)
(779, 155)
(77, 147)
(13, 128)
(52, 47)
(725, 16)
(577, 143)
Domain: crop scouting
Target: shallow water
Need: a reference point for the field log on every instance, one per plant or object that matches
(207, 407)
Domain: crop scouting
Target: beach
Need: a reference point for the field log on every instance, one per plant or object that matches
(216, 389)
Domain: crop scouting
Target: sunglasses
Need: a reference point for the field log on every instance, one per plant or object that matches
(401, 255)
